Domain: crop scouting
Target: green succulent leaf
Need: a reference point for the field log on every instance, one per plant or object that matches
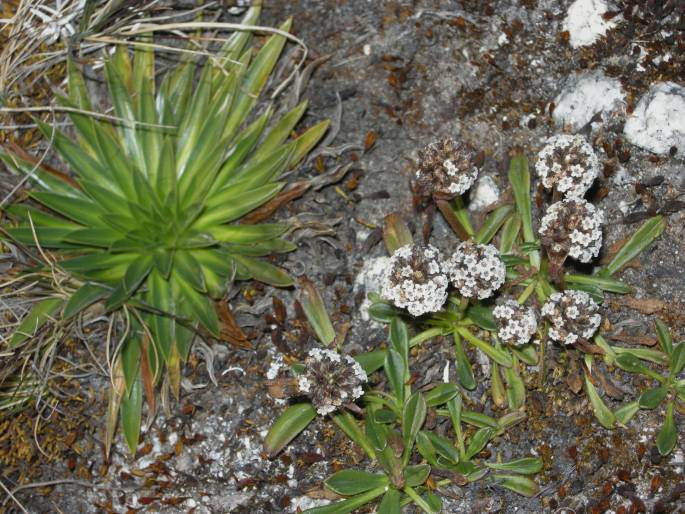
(625, 414)
(639, 241)
(442, 393)
(316, 313)
(524, 466)
(349, 425)
(395, 371)
(371, 361)
(413, 418)
(604, 283)
(426, 448)
(293, 421)
(399, 338)
(509, 234)
(130, 413)
(84, 297)
(521, 485)
(349, 505)
(646, 354)
(390, 503)
(441, 445)
(677, 359)
(482, 317)
(416, 475)
(651, 398)
(479, 440)
(516, 389)
(493, 223)
(464, 371)
(383, 312)
(349, 482)
(664, 337)
(605, 417)
(264, 272)
(668, 435)
(35, 320)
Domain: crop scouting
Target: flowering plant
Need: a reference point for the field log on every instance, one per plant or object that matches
(511, 288)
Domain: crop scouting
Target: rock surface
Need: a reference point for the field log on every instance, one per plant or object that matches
(658, 122)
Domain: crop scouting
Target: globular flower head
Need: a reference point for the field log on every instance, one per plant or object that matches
(476, 270)
(567, 164)
(330, 380)
(572, 227)
(516, 323)
(446, 168)
(572, 315)
(414, 280)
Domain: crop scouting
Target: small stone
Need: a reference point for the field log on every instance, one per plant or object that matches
(658, 122)
(585, 22)
(583, 97)
(484, 194)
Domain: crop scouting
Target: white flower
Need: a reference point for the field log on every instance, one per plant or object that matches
(330, 380)
(568, 164)
(516, 324)
(572, 315)
(572, 227)
(446, 167)
(476, 270)
(414, 280)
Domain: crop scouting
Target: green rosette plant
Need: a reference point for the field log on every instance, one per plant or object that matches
(150, 222)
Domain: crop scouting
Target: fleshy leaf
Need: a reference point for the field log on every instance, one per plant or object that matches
(293, 421)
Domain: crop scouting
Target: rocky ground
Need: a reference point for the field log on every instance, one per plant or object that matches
(396, 76)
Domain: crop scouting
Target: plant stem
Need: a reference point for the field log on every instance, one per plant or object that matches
(416, 498)
(425, 336)
(541, 361)
(527, 292)
(463, 215)
(498, 356)
(451, 218)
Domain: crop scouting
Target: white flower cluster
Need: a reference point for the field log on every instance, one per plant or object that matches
(447, 167)
(568, 164)
(460, 180)
(572, 315)
(331, 379)
(516, 323)
(573, 227)
(476, 270)
(414, 280)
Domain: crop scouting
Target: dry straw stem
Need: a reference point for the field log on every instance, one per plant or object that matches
(22, 58)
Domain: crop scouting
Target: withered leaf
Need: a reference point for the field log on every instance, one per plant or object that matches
(230, 331)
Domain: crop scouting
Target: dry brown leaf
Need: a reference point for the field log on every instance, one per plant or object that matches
(643, 305)
(636, 340)
(229, 330)
(267, 210)
(608, 386)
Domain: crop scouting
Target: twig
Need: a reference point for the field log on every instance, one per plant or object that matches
(10, 495)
